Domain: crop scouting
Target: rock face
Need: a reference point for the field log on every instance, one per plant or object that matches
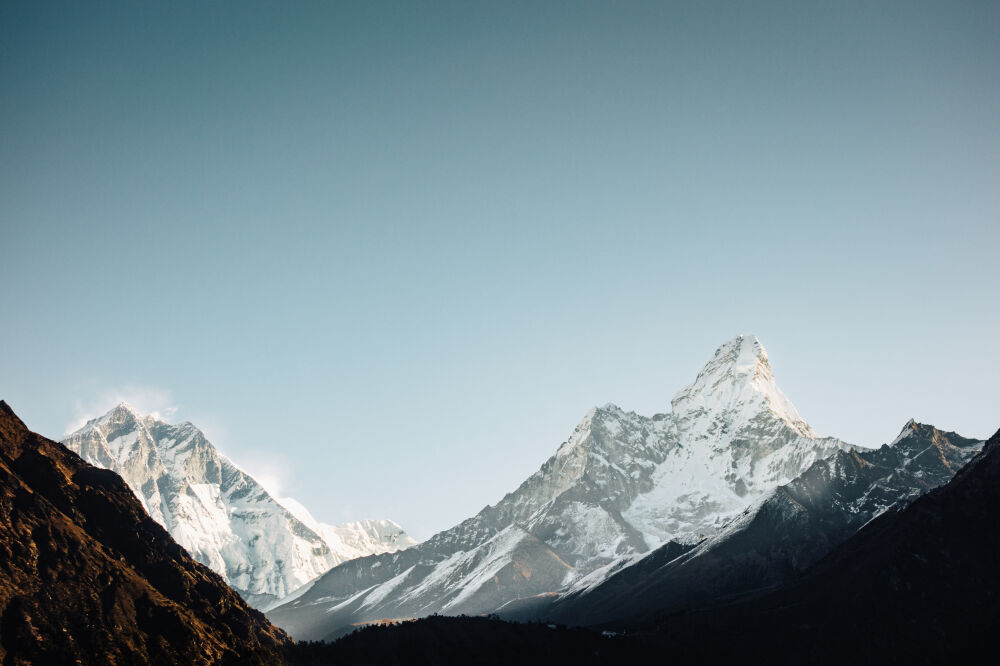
(86, 576)
(776, 539)
(220, 514)
(622, 484)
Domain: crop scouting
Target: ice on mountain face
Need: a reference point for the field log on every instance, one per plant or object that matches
(619, 486)
(733, 389)
(737, 437)
(222, 516)
(779, 536)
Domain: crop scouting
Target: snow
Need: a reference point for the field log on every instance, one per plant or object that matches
(220, 514)
(383, 591)
(458, 577)
(621, 485)
(907, 430)
(353, 539)
(706, 479)
(738, 381)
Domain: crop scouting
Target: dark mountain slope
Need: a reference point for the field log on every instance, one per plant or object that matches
(917, 585)
(86, 576)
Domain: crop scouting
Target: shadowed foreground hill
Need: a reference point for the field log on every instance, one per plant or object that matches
(86, 576)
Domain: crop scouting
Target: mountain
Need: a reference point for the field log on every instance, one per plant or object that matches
(773, 541)
(219, 513)
(622, 484)
(86, 576)
(918, 584)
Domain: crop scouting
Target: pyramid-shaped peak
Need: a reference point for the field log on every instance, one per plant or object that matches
(122, 413)
(737, 360)
(738, 378)
(124, 408)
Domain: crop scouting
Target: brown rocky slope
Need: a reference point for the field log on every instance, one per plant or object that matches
(86, 576)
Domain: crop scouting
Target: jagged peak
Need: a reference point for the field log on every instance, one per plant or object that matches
(740, 358)
(608, 412)
(123, 412)
(913, 427)
(738, 378)
(908, 429)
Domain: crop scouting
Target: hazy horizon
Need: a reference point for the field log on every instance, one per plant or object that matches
(387, 257)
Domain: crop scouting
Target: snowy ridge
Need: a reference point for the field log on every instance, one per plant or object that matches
(220, 514)
(619, 486)
(737, 437)
(356, 538)
(778, 536)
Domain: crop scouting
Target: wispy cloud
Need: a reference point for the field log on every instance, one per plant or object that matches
(152, 400)
(272, 470)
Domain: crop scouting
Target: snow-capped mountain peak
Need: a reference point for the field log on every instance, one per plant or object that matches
(122, 408)
(121, 414)
(621, 484)
(735, 387)
(220, 514)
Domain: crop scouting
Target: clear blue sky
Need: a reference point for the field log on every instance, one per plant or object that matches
(388, 255)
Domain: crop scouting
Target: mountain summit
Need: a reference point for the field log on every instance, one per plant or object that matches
(221, 514)
(620, 485)
(735, 437)
(735, 387)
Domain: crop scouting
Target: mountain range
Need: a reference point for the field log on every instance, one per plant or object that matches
(620, 486)
(918, 584)
(727, 516)
(264, 548)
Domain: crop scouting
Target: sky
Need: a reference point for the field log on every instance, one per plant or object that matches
(387, 255)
